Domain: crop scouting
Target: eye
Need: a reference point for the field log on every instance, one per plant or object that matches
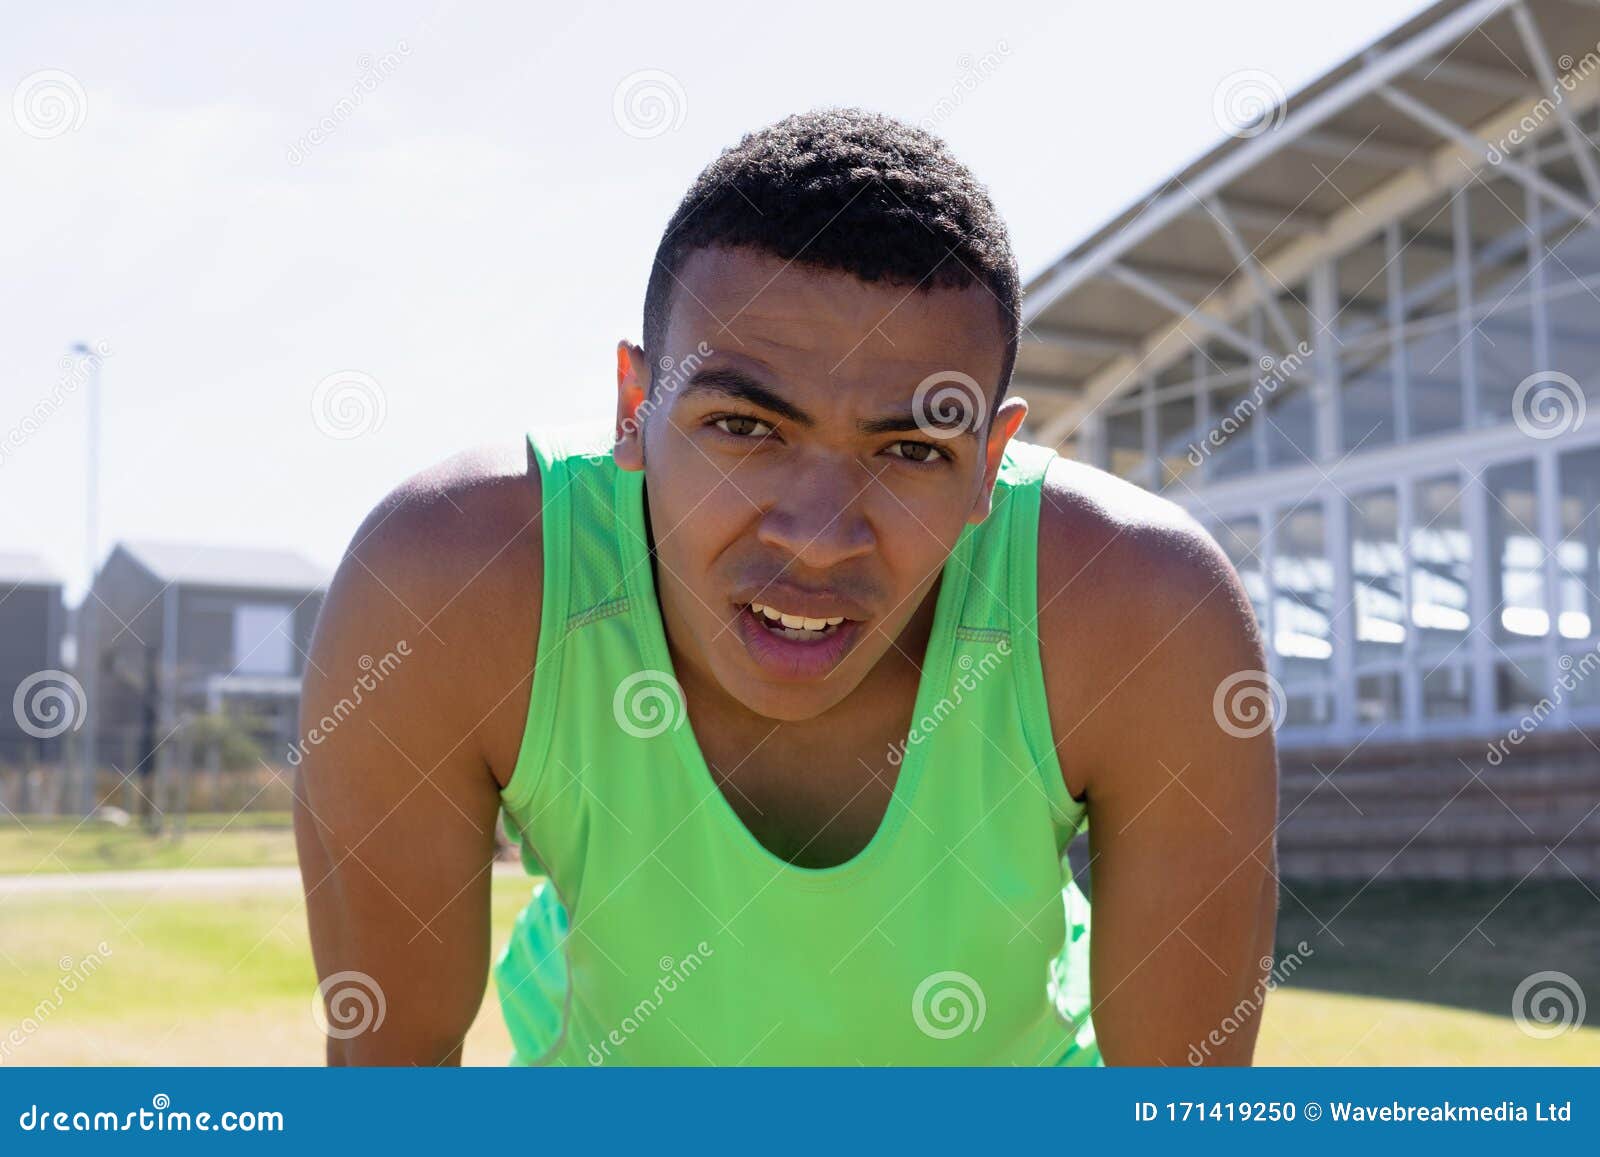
(919, 452)
(742, 426)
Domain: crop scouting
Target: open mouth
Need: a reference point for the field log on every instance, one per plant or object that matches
(795, 628)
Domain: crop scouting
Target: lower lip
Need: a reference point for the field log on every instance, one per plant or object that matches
(791, 659)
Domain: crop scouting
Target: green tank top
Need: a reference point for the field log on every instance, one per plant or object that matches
(663, 932)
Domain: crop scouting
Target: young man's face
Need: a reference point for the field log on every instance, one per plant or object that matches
(819, 463)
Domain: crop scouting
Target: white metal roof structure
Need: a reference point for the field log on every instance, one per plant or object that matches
(1418, 113)
(226, 566)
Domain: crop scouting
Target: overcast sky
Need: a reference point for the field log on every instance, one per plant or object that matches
(469, 231)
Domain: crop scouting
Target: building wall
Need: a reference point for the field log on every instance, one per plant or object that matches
(1443, 810)
(30, 641)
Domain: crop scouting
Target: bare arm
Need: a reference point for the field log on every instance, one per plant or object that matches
(1182, 791)
(396, 800)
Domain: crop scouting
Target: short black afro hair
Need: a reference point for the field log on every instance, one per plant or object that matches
(850, 191)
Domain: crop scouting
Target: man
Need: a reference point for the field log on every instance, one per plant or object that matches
(796, 684)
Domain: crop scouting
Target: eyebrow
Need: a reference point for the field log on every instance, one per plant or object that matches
(735, 384)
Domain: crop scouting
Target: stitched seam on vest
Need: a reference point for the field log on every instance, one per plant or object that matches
(982, 634)
(594, 614)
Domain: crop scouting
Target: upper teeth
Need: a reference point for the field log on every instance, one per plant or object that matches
(795, 622)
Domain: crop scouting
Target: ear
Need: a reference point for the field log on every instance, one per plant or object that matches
(1003, 426)
(633, 387)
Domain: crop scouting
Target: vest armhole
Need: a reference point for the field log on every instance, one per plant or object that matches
(1026, 501)
(555, 534)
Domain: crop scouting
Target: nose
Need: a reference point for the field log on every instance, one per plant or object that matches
(819, 517)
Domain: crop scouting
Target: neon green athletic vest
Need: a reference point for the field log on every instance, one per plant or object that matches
(666, 934)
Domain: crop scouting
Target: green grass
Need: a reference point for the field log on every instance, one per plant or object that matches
(204, 980)
(54, 845)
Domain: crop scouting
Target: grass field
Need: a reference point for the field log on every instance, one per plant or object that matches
(203, 980)
(56, 845)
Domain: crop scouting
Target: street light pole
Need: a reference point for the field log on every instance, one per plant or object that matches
(88, 641)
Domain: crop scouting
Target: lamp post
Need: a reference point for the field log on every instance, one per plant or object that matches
(88, 641)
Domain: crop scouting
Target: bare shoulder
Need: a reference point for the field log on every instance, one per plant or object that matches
(1140, 615)
(449, 563)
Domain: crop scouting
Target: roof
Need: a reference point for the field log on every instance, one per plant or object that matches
(1367, 142)
(191, 564)
(27, 569)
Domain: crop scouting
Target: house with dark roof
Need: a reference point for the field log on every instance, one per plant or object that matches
(32, 622)
(184, 630)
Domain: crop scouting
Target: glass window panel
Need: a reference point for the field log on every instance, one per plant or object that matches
(1291, 425)
(1308, 709)
(1502, 336)
(1447, 692)
(1125, 455)
(1375, 574)
(1178, 440)
(1518, 685)
(1367, 402)
(1362, 285)
(1574, 319)
(1516, 579)
(1302, 608)
(1441, 569)
(1574, 251)
(1433, 380)
(1427, 261)
(1230, 440)
(1578, 555)
(1240, 540)
(1378, 698)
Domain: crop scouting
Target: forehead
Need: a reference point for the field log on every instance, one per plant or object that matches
(744, 301)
